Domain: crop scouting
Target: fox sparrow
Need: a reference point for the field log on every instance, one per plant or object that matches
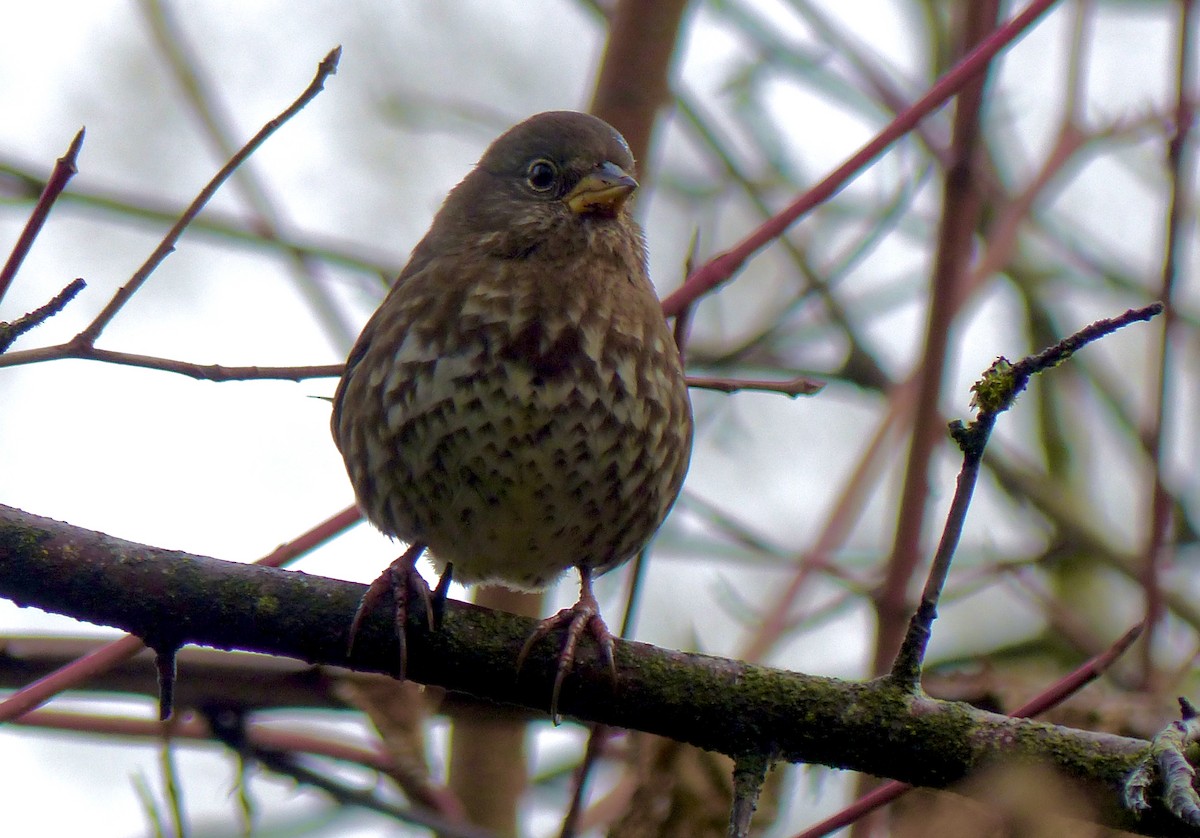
(517, 405)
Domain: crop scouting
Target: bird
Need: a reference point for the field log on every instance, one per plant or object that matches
(517, 404)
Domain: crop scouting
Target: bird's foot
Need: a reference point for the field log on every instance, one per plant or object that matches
(404, 583)
(582, 617)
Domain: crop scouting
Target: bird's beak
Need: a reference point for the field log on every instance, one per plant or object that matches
(601, 191)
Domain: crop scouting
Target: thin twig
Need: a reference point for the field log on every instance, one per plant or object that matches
(325, 69)
(1178, 236)
(200, 372)
(77, 672)
(191, 727)
(962, 214)
(64, 170)
(171, 785)
(598, 738)
(9, 332)
(798, 386)
(993, 394)
(268, 220)
(1073, 682)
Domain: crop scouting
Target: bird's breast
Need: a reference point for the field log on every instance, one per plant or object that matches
(535, 432)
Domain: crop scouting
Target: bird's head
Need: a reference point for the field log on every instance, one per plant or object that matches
(552, 178)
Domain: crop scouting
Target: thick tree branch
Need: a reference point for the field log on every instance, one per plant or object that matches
(171, 597)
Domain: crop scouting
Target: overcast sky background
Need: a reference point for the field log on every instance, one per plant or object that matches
(232, 470)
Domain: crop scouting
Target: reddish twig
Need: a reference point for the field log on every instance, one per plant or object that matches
(1178, 234)
(962, 211)
(1073, 682)
(194, 728)
(286, 553)
(723, 266)
(72, 675)
(64, 170)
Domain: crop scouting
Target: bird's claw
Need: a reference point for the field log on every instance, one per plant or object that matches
(402, 580)
(582, 617)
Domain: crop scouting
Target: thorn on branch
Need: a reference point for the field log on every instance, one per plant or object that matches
(749, 774)
(164, 662)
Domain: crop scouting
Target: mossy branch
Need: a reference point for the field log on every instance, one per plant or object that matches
(722, 705)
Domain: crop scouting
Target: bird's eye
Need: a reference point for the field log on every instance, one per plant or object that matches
(541, 175)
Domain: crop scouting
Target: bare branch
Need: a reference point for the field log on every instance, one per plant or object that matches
(64, 170)
(798, 386)
(728, 706)
(327, 67)
(993, 394)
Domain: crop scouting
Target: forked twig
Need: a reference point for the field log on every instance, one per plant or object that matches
(993, 394)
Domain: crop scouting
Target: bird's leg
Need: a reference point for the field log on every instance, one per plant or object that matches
(583, 616)
(402, 580)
